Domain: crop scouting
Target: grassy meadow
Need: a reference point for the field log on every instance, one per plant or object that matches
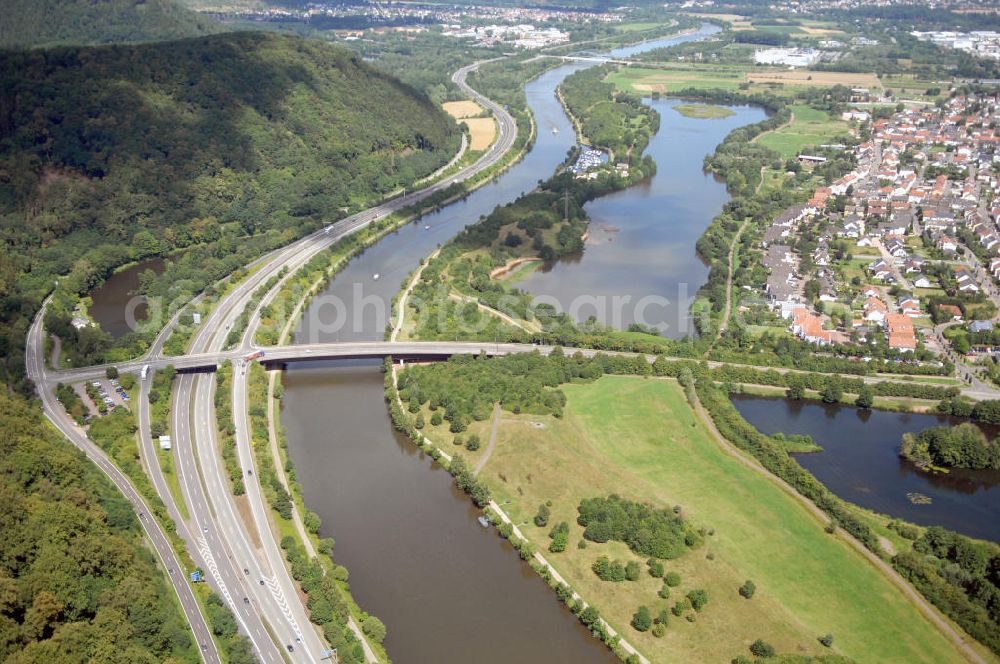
(638, 438)
(703, 111)
(809, 127)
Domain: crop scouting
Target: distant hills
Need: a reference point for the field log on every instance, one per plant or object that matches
(29, 23)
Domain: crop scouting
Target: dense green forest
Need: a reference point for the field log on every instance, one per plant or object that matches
(50, 22)
(229, 144)
(77, 583)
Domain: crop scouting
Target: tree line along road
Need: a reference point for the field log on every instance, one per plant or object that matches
(218, 535)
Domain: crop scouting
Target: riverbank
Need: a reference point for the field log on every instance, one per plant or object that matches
(312, 277)
(559, 461)
(615, 640)
(339, 469)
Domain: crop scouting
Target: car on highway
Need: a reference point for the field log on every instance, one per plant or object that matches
(290, 647)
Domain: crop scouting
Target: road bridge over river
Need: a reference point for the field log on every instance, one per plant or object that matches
(276, 357)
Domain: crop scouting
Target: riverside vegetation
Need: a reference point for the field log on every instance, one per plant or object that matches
(320, 577)
(584, 467)
(961, 446)
(546, 223)
(740, 161)
(123, 153)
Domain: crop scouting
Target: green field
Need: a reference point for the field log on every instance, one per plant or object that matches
(640, 439)
(809, 127)
(668, 78)
(703, 111)
(645, 81)
(638, 26)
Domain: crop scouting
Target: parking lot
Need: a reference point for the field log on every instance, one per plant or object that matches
(109, 393)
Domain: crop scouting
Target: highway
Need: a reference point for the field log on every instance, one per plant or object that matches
(264, 598)
(267, 580)
(35, 359)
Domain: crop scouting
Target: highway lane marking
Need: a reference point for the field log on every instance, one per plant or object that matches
(211, 461)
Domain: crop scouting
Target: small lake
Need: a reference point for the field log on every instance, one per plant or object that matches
(860, 462)
(639, 262)
(113, 301)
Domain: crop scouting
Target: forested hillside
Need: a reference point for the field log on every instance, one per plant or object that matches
(77, 584)
(28, 23)
(229, 142)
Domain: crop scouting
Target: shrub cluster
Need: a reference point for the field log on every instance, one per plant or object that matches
(962, 446)
(659, 533)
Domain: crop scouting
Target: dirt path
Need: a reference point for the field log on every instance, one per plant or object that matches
(729, 279)
(494, 312)
(401, 317)
(930, 612)
(724, 323)
(493, 439)
(791, 119)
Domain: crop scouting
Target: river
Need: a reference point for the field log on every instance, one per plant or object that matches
(447, 589)
(638, 264)
(860, 463)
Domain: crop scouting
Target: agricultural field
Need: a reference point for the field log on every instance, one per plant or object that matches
(911, 86)
(637, 26)
(639, 438)
(462, 109)
(676, 77)
(482, 130)
(815, 78)
(819, 30)
(735, 20)
(808, 127)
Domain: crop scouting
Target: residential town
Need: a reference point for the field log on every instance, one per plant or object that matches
(488, 25)
(904, 250)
